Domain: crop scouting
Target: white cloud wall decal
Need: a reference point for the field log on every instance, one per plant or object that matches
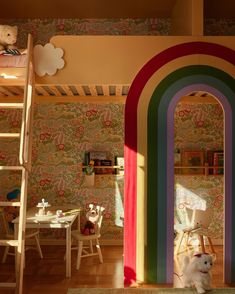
(47, 59)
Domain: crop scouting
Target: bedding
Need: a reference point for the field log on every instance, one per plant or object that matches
(13, 60)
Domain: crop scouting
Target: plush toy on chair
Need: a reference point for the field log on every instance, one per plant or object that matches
(92, 217)
(89, 234)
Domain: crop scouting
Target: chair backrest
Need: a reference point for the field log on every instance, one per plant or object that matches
(203, 217)
(5, 225)
(199, 218)
(190, 217)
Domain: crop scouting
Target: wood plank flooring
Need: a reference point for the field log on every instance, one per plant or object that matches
(47, 275)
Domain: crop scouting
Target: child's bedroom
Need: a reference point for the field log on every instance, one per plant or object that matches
(116, 147)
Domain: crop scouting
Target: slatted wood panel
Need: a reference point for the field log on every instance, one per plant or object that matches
(67, 90)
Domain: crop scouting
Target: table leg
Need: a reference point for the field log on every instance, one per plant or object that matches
(16, 229)
(68, 252)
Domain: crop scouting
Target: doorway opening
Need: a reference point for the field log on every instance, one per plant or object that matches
(199, 181)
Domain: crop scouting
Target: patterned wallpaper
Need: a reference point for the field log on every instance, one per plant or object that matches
(204, 121)
(200, 192)
(219, 27)
(62, 132)
(43, 29)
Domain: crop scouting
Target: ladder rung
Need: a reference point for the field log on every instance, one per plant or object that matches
(9, 135)
(8, 203)
(7, 285)
(5, 167)
(9, 243)
(11, 105)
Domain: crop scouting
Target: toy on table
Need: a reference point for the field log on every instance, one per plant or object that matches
(92, 217)
(42, 208)
(59, 213)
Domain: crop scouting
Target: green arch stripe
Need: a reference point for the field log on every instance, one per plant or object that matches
(157, 158)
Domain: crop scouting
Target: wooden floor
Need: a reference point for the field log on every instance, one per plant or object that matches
(47, 275)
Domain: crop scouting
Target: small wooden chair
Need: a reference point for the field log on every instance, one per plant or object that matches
(184, 230)
(86, 251)
(206, 228)
(8, 234)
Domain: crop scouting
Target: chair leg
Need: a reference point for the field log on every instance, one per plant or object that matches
(24, 257)
(179, 241)
(187, 238)
(79, 256)
(5, 254)
(99, 251)
(91, 246)
(38, 246)
(211, 245)
(202, 243)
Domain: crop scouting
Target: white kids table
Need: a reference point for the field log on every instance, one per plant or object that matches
(51, 221)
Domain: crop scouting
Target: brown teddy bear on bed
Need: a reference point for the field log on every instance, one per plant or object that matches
(8, 37)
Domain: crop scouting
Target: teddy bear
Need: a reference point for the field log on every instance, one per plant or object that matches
(197, 271)
(8, 37)
(11, 212)
(92, 217)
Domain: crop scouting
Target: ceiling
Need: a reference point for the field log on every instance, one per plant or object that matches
(107, 9)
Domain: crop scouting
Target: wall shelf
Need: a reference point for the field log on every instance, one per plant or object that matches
(205, 167)
(117, 170)
(104, 166)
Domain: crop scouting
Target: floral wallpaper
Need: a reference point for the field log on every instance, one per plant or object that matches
(62, 132)
(219, 27)
(204, 193)
(43, 29)
(204, 121)
(193, 121)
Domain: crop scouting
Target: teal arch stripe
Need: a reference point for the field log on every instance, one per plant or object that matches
(157, 172)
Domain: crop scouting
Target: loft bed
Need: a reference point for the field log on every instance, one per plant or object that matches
(16, 73)
(97, 67)
(103, 67)
(13, 70)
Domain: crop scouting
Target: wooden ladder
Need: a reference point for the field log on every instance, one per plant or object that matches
(25, 144)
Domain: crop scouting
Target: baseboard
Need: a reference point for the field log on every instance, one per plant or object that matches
(102, 242)
(62, 242)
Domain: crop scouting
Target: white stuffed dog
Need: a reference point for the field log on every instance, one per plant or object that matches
(196, 271)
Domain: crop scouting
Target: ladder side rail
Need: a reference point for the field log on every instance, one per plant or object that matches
(23, 157)
(24, 135)
(20, 250)
(29, 119)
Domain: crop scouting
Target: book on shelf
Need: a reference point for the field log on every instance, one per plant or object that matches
(218, 161)
(104, 164)
(211, 159)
